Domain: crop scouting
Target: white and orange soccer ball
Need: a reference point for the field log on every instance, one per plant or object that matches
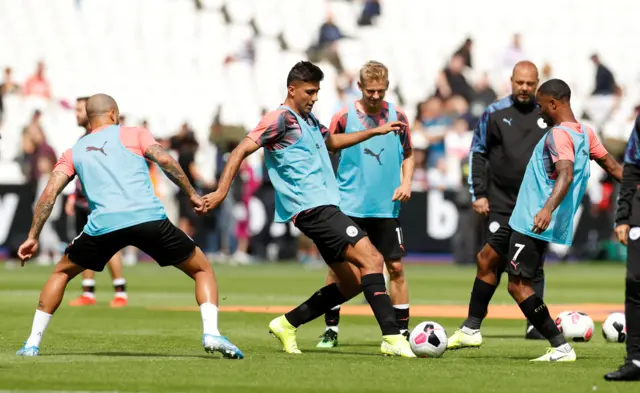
(614, 328)
(576, 326)
(428, 340)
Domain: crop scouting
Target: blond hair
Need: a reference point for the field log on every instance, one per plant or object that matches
(374, 71)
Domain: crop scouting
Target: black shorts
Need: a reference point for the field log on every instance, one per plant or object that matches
(385, 234)
(633, 256)
(82, 217)
(331, 230)
(161, 240)
(499, 233)
(526, 255)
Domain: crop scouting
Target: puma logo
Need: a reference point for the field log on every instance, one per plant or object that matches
(508, 121)
(377, 156)
(515, 265)
(100, 149)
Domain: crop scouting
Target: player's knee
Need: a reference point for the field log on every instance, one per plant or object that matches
(396, 271)
(486, 261)
(515, 286)
(369, 259)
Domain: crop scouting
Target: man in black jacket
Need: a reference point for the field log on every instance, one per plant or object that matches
(628, 232)
(503, 141)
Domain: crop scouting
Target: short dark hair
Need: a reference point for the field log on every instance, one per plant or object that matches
(84, 98)
(305, 71)
(556, 88)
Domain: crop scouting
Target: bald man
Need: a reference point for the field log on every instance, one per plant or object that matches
(110, 162)
(503, 142)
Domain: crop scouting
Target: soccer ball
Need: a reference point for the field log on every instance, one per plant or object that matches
(577, 326)
(428, 340)
(614, 328)
(560, 317)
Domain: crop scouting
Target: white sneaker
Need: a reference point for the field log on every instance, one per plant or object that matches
(559, 354)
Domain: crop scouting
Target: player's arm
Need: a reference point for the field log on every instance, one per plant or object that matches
(478, 158)
(337, 142)
(242, 151)
(57, 182)
(170, 167)
(564, 169)
(403, 193)
(610, 165)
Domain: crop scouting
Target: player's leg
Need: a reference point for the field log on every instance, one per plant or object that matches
(120, 298)
(630, 371)
(538, 284)
(386, 235)
(370, 262)
(85, 252)
(490, 265)
(88, 295)
(170, 246)
(525, 258)
(329, 338)
(338, 238)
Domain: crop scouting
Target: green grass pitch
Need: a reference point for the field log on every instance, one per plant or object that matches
(144, 349)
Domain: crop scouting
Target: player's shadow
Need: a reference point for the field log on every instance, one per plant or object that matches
(338, 353)
(133, 355)
(502, 335)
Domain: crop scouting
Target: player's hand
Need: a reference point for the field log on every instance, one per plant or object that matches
(212, 200)
(622, 231)
(541, 221)
(197, 203)
(69, 207)
(481, 206)
(402, 193)
(27, 250)
(394, 126)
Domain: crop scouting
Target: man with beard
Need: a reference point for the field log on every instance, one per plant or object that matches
(503, 141)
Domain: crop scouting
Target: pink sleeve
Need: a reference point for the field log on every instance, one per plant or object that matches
(561, 146)
(596, 149)
(137, 140)
(65, 164)
(145, 139)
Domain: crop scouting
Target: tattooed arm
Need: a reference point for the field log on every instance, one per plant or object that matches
(170, 167)
(57, 182)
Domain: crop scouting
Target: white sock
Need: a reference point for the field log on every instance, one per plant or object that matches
(636, 362)
(401, 306)
(88, 282)
(40, 322)
(120, 281)
(334, 328)
(209, 319)
(469, 331)
(566, 348)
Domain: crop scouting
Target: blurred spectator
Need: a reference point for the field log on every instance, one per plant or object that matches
(122, 120)
(250, 184)
(438, 177)
(326, 47)
(605, 96)
(465, 52)
(452, 82)
(513, 54)
(7, 87)
(546, 73)
(419, 182)
(432, 122)
(34, 149)
(246, 54)
(37, 84)
(483, 97)
(370, 10)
